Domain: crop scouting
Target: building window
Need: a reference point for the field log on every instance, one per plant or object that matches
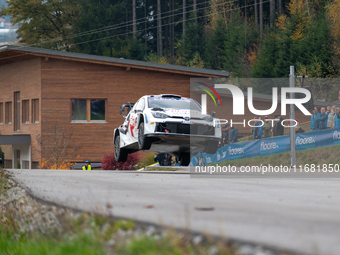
(8, 113)
(1, 113)
(97, 109)
(17, 111)
(25, 164)
(35, 110)
(79, 109)
(35, 165)
(88, 110)
(8, 163)
(25, 111)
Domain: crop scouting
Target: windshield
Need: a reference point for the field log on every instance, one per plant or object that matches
(174, 103)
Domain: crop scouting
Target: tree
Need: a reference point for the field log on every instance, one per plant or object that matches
(261, 18)
(298, 39)
(184, 16)
(159, 30)
(333, 11)
(44, 24)
(134, 17)
(272, 12)
(57, 148)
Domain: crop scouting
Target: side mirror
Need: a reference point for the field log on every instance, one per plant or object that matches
(213, 114)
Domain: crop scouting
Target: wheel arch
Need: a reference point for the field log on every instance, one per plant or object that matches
(115, 134)
(140, 119)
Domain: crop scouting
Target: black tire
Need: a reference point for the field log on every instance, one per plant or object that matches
(120, 154)
(184, 159)
(144, 143)
(212, 147)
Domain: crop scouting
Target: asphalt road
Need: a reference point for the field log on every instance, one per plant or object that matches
(296, 214)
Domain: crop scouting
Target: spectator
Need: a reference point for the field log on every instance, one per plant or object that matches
(322, 119)
(278, 127)
(298, 129)
(87, 166)
(233, 134)
(330, 117)
(225, 135)
(333, 112)
(168, 160)
(258, 129)
(267, 128)
(252, 128)
(337, 118)
(163, 159)
(313, 118)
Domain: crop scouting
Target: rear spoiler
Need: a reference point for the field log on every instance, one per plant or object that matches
(122, 108)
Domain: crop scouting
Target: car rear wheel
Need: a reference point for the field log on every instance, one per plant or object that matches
(120, 154)
(144, 143)
(184, 159)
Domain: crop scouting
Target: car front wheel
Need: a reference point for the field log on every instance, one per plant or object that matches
(120, 154)
(144, 143)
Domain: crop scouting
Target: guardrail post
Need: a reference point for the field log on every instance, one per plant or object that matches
(292, 117)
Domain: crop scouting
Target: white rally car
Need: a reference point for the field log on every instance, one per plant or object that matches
(168, 124)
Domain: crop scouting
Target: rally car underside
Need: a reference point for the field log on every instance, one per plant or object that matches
(177, 144)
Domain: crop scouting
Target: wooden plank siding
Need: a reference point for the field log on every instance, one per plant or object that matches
(65, 80)
(23, 76)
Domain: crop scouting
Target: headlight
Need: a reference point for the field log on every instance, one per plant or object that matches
(160, 115)
(208, 118)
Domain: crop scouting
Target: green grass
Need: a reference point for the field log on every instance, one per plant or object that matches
(81, 244)
(319, 156)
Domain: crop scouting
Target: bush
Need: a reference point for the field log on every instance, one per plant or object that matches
(109, 162)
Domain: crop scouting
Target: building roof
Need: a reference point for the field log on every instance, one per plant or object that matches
(18, 51)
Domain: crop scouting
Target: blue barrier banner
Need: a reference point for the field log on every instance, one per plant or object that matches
(273, 145)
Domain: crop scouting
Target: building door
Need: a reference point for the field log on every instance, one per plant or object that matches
(17, 111)
(17, 159)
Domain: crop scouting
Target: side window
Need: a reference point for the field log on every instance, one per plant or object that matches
(140, 105)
